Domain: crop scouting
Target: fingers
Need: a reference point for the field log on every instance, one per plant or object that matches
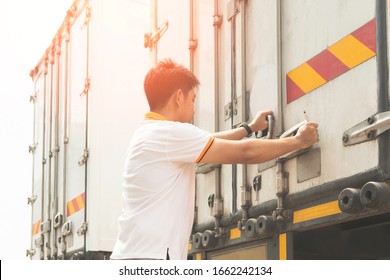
(313, 128)
(308, 134)
(312, 124)
(266, 113)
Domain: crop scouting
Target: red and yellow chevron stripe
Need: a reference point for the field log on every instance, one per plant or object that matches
(36, 227)
(352, 50)
(75, 205)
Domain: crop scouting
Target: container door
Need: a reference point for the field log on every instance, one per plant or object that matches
(333, 77)
(73, 229)
(46, 226)
(61, 139)
(263, 83)
(203, 37)
(38, 149)
(248, 81)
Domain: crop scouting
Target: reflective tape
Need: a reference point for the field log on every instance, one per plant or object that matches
(75, 205)
(347, 53)
(36, 227)
(315, 212)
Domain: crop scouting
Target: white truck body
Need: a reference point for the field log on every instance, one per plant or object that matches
(87, 105)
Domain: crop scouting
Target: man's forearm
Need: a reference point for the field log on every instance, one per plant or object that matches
(262, 150)
(233, 134)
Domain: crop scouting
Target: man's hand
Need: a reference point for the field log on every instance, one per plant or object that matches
(307, 134)
(260, 121)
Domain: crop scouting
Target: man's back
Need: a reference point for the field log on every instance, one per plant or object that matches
(159, 189)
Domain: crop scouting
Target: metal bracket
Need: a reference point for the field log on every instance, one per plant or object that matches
(84, 158)
(218, 207)
(31, 199)
(257, 183)
(66, 228)
(32, 148)
(204, 168)
(150, 39)
(281, 215)
(58, 220)
(30, 252)
(232, 9)
(33, 98)
(246, 192)
(367, 130)
(210, 200)
(192, 44)
(45, 226)
(39, 241)
(228, 112)
(88, 13)
(83, 229)
(87, 86)
(217, 20)
(237, 111)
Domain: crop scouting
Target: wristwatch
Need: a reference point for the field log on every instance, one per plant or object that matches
(247, 128)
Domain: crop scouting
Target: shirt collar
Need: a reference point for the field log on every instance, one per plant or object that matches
(155, 116)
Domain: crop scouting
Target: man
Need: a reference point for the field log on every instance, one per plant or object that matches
(159, 173)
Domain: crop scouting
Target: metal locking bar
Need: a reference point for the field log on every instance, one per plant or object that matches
(84, 157)
(150, 39)
(367, 130)
(66, 228)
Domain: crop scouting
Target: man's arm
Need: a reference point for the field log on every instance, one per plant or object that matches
(260, 150)
(258, 123)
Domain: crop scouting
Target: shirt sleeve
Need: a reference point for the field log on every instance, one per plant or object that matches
(187, 143)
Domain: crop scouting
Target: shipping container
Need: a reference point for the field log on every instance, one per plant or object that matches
(320, 60)
(87, 101)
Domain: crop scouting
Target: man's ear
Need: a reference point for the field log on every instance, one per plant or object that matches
(179, 97)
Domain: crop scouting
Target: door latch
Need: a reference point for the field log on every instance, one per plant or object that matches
(367, 130)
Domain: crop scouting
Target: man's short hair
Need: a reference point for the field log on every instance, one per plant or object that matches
(164, 79)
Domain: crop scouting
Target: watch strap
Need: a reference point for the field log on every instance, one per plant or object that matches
(247, 128)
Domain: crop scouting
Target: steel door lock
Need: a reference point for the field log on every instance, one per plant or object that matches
(257, 183)
(58, 219)
(367, 130)
(210, 200)
(67, 228)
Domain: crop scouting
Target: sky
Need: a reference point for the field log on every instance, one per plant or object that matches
(26, 29)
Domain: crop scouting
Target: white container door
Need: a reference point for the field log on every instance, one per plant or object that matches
(330, 71)
(77, 153)
(38, 149)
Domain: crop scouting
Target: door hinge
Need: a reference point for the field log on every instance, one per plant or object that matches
(83, 229)
(30, 252)
(33, 98)
(367, 130)
(151, 38)
(192, 44)
(88, 13)
(87, 87)
(32, 148)
(84, 158)
(31, 199)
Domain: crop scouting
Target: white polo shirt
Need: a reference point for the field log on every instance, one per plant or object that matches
(159, 189)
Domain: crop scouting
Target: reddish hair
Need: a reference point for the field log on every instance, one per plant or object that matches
(164, 79)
